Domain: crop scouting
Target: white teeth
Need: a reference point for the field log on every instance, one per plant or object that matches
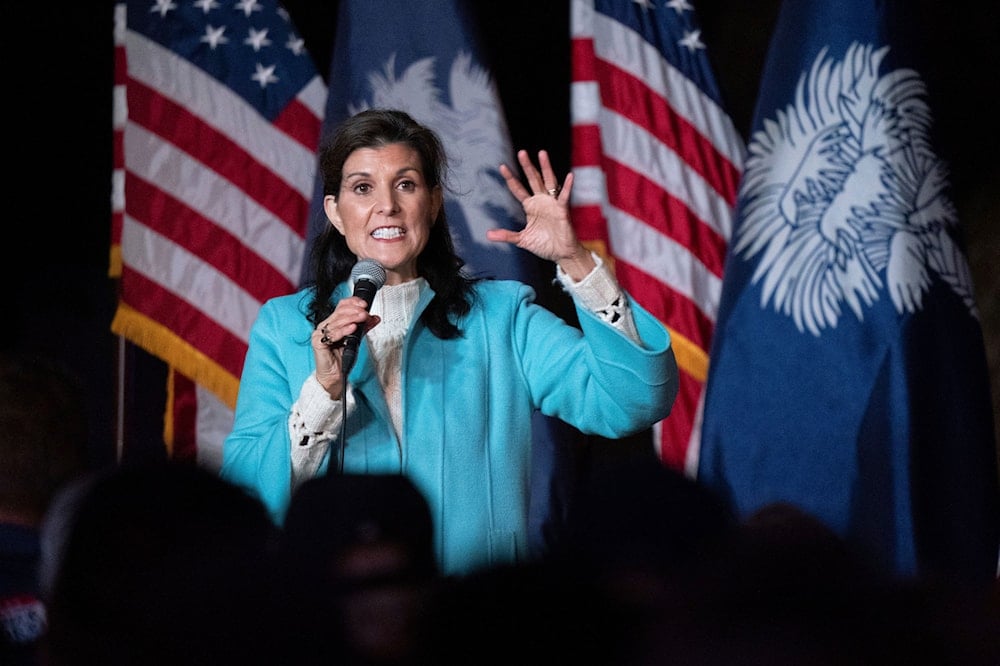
(387, 232)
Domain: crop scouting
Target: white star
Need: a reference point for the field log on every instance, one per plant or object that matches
(645, 4)
(296, 45)
(257, 39)
(206, 5)
(213, 36)
(680, 6)
(264, 75)
(692, 40)
(162, 7)
(248, 6)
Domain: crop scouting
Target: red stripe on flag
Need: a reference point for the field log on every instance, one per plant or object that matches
(121, 69)
(118, 147)
(583, 65)
(675, 430)
(590, 224)
(586, 141)
(183, 444)
(301, 123)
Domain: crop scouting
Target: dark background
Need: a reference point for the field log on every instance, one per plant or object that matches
(58, 65)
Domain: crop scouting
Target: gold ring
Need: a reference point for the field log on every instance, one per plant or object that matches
(554, 191)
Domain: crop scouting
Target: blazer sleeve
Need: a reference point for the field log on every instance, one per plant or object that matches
(594, 377)
(257, 453)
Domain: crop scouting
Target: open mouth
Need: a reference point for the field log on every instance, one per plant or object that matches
(387, 233)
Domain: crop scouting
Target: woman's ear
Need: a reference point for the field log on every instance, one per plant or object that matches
(330, 208)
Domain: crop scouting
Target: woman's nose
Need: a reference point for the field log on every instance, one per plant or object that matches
(385, 198)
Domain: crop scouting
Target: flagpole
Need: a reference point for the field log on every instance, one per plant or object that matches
(120, 402)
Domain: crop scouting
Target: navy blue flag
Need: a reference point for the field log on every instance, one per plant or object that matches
(848, 374)
(425, 58)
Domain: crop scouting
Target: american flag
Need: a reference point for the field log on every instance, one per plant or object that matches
(657, 163)
(217, 116)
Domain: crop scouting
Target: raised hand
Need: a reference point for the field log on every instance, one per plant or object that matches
(548, 232)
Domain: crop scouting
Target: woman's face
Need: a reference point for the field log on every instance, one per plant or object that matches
(384, 208)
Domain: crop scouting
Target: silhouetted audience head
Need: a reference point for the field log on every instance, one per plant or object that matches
(333, 518)
(534, 612)
(361, 548)
(641, 516)
(164, 563)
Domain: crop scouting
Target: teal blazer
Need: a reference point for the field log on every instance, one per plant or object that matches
(467, 408)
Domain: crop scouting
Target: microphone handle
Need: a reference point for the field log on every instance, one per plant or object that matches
(366, 290)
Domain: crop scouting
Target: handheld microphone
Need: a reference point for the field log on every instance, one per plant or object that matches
(368, 276)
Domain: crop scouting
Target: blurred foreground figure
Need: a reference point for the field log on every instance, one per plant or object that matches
(43, 439)
(361, 547)
(164, 564)
(789, 590)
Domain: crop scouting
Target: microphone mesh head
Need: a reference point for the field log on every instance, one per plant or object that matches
(369, 269)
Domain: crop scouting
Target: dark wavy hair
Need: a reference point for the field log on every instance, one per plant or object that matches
(331, 260)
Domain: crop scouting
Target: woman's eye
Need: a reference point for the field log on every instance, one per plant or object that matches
(362, 188)
(407, 185)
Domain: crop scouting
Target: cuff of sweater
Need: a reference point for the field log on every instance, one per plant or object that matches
(315, 407)
(597, 290)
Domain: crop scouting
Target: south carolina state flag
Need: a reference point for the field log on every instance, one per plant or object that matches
(848, 374)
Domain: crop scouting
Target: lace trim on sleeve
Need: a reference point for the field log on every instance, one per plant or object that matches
(600, 293)
(313, 423)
